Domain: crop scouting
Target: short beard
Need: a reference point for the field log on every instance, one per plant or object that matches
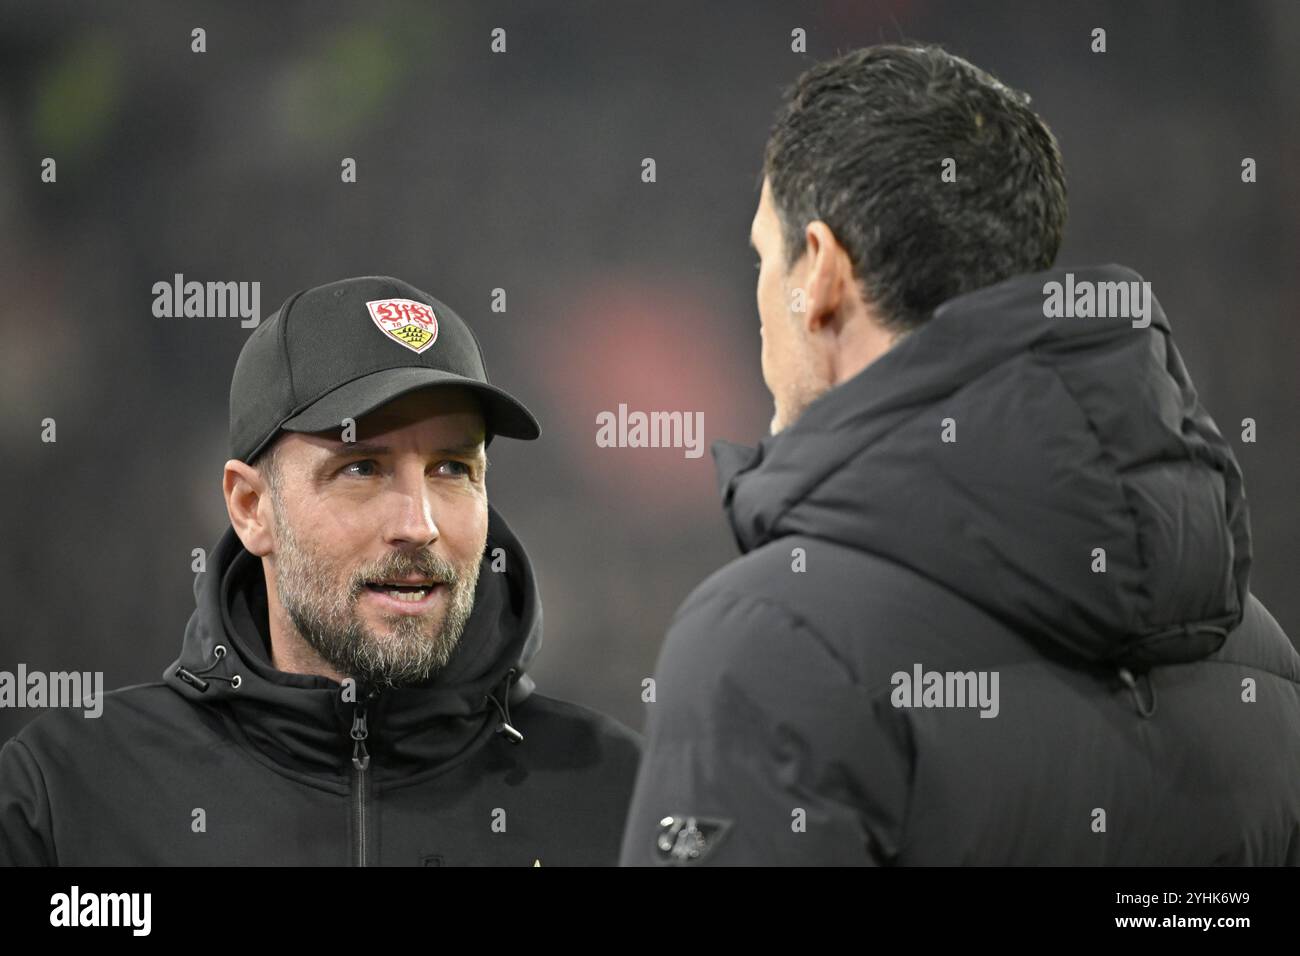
(325, 613)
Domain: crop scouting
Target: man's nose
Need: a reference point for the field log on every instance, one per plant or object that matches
(411, 519)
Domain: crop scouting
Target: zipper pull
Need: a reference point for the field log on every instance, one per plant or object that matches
(360, 758)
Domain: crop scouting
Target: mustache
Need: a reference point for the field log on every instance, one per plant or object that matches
(426, 565)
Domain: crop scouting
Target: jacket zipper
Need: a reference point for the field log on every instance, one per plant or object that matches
(360, 769)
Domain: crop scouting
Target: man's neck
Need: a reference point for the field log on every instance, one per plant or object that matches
(860, 344)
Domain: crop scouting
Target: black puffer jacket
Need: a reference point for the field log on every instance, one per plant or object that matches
(229, 761)
(1145, 714)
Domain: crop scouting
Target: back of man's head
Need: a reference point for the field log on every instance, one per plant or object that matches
(863, 143)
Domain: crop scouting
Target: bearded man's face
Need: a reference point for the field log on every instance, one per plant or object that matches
(379, 542)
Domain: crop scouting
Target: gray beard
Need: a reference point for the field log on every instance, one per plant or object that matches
(325, 616)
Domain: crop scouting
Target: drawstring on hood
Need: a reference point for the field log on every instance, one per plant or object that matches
(193, 679)
(511, 734)
(1181, 631)
(1129, 681)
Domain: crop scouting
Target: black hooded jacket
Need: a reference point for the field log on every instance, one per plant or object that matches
(1147, 709)
(229, 761)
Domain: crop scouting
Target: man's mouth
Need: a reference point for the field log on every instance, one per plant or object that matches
(402, 590)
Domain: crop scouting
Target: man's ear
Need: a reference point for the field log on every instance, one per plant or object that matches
(829, 275)
(248, 503)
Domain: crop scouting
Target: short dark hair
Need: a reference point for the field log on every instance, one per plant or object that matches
(859, 143)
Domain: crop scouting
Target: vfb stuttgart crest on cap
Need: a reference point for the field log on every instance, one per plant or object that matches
(406, 321)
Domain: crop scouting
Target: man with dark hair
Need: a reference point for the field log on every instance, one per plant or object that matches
(352, 686)
(947, 182)
(993, 605)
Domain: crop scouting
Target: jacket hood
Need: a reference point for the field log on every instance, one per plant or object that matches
(1067, 435)
(302, 721)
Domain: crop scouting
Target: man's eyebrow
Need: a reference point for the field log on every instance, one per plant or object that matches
(751, 242)
(353, 448)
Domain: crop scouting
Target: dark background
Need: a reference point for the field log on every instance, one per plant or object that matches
(522, 170)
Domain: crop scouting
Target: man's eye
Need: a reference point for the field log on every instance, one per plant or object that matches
(758, 266)
(360, 464)
(465, 469)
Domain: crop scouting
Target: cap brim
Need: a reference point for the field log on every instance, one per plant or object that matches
(506, 415)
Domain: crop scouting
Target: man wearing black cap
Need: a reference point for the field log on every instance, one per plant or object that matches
(352, 685)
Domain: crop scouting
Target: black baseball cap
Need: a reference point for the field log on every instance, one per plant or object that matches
(343, 349)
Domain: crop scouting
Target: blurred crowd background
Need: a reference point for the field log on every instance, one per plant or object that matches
(522, 171)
